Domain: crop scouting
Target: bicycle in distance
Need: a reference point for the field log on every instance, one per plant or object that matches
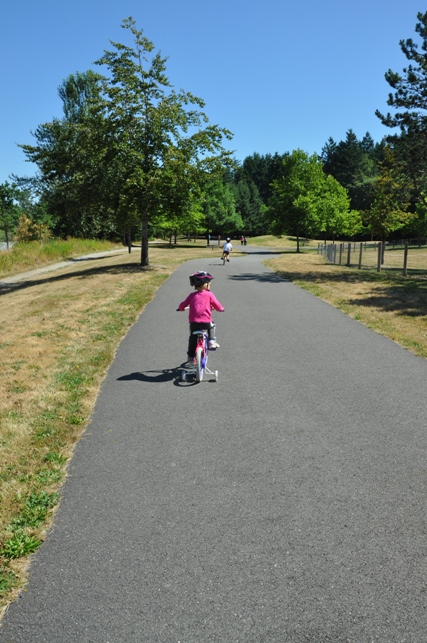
(226, 249)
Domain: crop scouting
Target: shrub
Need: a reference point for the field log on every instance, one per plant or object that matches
(29, 230)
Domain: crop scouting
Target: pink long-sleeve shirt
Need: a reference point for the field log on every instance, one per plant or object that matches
(201, 303)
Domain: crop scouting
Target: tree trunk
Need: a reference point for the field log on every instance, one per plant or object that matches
(298, 243)
(144, 239)
(129, 239)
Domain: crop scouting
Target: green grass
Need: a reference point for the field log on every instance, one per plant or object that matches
(270, 241)
(26, 256)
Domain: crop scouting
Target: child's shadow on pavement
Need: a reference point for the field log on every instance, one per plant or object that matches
(157, 377)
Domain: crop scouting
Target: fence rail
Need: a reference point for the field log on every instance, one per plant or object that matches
(394, 255)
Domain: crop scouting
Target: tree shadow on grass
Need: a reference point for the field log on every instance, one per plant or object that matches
(48, 278)
(393, 293)
(398, 299)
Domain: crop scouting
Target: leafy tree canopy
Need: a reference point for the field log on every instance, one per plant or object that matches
(353, 163)
(220, 208)
(390, 208)
(307, 202)
(408, 98)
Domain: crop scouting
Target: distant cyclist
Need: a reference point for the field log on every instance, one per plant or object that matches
(226, 249)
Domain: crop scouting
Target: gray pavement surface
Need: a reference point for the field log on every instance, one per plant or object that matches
(286, 502)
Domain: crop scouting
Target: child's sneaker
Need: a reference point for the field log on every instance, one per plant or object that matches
(213, 345)
(189, 364)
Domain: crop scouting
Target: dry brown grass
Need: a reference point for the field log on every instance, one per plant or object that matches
(27, 256)
(270, 241)
(58, 334)
(389, 303)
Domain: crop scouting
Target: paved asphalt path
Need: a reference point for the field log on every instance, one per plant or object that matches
(287, 502)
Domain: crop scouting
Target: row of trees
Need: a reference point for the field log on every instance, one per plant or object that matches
(130, 152)
(356, 186)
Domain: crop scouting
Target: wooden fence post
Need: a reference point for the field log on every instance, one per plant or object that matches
(379, 256)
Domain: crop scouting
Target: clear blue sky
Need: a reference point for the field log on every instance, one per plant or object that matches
(280, 75)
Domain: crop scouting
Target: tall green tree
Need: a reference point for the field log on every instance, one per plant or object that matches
(408, 99)
(307, 202)
(250, 207)
(152, 131)
(9, 211)
(352, 162)
(390, 208)
(262, 170)
(220, 208)
(70, 155)
(77, 92)
(129, 149)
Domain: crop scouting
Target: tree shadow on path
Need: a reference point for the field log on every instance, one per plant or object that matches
(264, 277)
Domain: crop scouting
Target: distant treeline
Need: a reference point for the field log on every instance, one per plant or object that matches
(132, 158)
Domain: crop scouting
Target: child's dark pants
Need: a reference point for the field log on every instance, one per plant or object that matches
(192, 340)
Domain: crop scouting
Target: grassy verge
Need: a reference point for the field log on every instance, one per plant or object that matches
(387, 302)
(58, 335)
(269, 241)
(26, 256)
